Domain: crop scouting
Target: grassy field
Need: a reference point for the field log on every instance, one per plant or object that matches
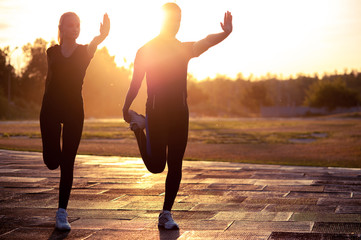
(320, 141)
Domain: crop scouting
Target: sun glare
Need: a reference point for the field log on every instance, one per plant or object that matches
(278, 36)
(132, 25)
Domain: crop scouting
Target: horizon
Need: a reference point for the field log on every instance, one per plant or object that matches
(278, 38)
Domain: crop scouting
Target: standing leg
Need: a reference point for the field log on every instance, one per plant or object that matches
(177, 141)
(177, 144)
(72, 131)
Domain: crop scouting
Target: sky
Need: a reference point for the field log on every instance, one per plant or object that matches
(277, 37)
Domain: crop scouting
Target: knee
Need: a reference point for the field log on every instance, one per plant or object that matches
(51, 165)
(155, 169)
(52, 161)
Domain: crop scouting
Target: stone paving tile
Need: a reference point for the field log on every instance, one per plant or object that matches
(85, 204)
(282, 201)
(27, 190)
(45, 233)
(240, 235)
(128, 191)
(339, 188)
(156, 205)
(198, 235)
(312, 236)
(112, 224)
(229, 180)
(117, 198)
(299, 188)
(320, 194)
(210, 192)
(327, 217)
(20, 179)
(271, 226)
(225, 207)
(300, 208)
(213, 199)
(133, 235)
(288, 182)
(339, 201)
(356, 194)
(258, 194)
(190, 215)
(348, 209)
(336, 227)
(254, 216)
(235, 187)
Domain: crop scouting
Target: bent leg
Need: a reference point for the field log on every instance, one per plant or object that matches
(152, 146)
(50, 135)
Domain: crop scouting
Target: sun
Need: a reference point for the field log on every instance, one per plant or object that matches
(133, 23)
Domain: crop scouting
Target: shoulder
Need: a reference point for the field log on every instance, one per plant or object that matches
(83, 47)
(145, 48)
(83, 50)
(188, 49)
(149, 45)
(52, 49)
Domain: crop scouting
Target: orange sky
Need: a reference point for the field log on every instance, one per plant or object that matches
(280, 37)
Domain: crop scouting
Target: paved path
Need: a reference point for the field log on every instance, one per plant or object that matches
(116, 198)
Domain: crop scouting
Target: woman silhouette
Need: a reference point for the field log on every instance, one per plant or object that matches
(62, 113)
(164, 61)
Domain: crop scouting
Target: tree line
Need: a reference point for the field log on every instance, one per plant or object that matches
(106, 84)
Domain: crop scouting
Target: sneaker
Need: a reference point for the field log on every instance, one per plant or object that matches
(166, 220)
(62, 220)
(137, 121)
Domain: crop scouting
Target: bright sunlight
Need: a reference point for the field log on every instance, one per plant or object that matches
(279, 37)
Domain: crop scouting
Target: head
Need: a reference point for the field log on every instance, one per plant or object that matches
(171, 19)
(69, 27)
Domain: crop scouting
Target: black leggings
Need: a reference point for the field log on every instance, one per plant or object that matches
(53, 154)
(165, 129)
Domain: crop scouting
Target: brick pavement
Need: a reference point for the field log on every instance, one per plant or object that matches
(117, 198)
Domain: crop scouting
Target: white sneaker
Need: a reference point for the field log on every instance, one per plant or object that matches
(166, 220)
(136, 120)
(62, 220)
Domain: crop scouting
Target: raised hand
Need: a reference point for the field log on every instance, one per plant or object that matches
(227, 24)
(105, 26)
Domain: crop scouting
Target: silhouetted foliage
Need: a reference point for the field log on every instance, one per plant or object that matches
(7, 73)
(331, 94)
(256, 95)
(196, 95)
(32, 82)
(106, 84)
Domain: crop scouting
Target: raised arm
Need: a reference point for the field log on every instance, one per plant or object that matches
(138, 75)
(203, 45)
(104, 31)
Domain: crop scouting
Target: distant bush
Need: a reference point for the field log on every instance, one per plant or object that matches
(331, 94)
(18, 109)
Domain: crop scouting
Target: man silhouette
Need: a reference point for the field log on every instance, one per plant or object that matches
(164, 62)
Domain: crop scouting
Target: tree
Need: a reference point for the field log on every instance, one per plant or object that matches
(195, 94)
(256, 95)
(7, 73)
(331, 94)
(105, 86)
(34, 74)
